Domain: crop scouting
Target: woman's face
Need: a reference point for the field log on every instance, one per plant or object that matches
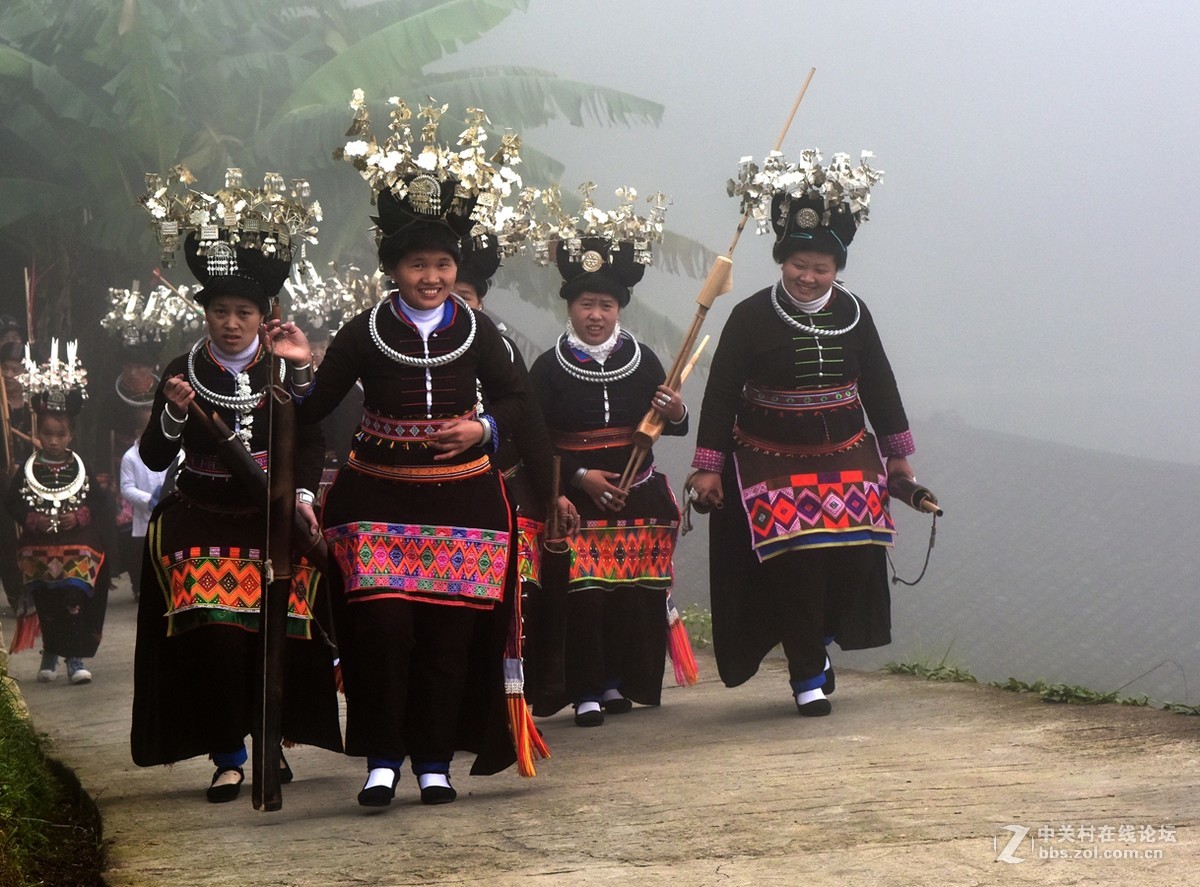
(54, 432)
(594, 316)
(808, 276)
(233, 322)
(468, 293)
(425, 278)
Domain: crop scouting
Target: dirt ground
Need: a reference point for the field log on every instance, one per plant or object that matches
(908, 782)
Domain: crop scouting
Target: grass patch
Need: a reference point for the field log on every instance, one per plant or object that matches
(1061, 693)
(938, 671)
(698, 622)
(49, 828)
(1070, 693)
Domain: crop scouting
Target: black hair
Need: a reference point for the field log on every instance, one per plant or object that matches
(436, 238)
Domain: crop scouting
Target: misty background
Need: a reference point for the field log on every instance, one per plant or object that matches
(1029, 262)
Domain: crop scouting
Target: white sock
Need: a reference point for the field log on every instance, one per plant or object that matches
(806, 696)
(828, 665)
(384, 776)
(229, 777)
(610, 695)
(425, 780)
(585, 707)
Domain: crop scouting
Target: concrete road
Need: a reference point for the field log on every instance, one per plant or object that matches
(908, 782)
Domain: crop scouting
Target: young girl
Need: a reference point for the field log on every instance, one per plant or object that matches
(60, 552)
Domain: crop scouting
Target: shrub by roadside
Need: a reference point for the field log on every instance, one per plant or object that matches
(50, 831)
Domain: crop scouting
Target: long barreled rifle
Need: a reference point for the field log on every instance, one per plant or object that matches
(718, 282)
(277, 587)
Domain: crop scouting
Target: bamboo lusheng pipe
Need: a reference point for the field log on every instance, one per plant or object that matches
(639, 454)
(912, 494)
(174, 289)
(718, 282)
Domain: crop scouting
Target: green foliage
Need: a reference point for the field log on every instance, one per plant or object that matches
(931, 672)
(95, 94)
(698, 622)
(46, 837)
(1180, 709)
(1070, 693)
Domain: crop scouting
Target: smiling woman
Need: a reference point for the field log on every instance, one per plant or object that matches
(594, 386)
(418, 521)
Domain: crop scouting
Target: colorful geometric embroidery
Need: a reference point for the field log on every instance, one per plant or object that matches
(60, 564)
(624, 552)
(404, 430)
(224, 585)
(455, 565)
(529, 550)
(816, 510)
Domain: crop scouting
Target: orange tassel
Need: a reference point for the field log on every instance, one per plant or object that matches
(679, 645)
(526, 739)
(26, 633)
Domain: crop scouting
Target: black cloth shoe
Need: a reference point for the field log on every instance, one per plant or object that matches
(618, 706)
(378, 795)
(438, 794)
(285, 772)
(830, 683)
(818, 708)
(589, 718)
(220, 794)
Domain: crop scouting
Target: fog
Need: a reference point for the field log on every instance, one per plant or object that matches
(1029, 256)
(1029, 261)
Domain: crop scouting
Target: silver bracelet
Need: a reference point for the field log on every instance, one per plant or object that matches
(578, 476)
(305, 497)
(172, 428)
(302, 377)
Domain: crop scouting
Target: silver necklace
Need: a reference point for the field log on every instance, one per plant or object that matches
(240, 403)
(52, 494)
(598, 376)
(148, 397)
(427, 361)
(815, 331)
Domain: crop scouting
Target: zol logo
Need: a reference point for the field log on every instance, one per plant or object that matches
(1008, 854)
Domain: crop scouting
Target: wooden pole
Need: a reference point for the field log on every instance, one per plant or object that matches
(718, 282)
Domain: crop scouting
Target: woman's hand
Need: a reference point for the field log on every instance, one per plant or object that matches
(601, 490)
(285, 339)
(68, 521)
(310, 519)
(708, 488)
(668, 404)
(455, 437)
(568, 517)
(179, 394)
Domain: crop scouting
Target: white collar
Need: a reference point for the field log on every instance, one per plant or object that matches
(808, 307)
(235, 363)
(599, 353)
